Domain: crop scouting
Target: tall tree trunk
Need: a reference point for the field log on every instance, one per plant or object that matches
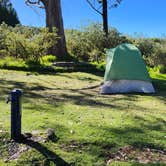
(54, 19)
(105, 17)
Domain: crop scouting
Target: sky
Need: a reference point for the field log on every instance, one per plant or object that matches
(133, 17)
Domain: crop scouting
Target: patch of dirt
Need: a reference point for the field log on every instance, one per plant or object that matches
(15, 149)
(74, 146)
(144, 156)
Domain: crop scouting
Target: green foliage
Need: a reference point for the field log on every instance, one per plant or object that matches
(78, 45)
(159, 69)
(89, 44)
(48, 59)
(26, 43)
(8, 13)
(159, 58)
(12, 63)
(146, 47)
(100, 66)
(153, 51)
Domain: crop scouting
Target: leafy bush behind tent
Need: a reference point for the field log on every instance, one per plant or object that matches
(87, 44)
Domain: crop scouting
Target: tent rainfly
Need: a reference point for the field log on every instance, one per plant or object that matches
(125, 71)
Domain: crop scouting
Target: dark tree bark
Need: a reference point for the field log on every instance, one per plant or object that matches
(54, 19)
(101, 7)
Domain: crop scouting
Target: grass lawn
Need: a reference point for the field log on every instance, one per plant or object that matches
(88, 127)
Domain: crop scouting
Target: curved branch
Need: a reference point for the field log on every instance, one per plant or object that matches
(93, 7)
(99, 7)
(36, 3)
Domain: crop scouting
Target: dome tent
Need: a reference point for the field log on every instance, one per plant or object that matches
(126, 71)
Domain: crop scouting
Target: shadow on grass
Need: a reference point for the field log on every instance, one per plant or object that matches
(50, 157)
(79, 97)
(160, 86)
(116, 138)
(52, 70)
(36, 91)
(139, 136)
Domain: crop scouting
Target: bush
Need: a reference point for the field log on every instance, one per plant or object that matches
(48, 59)
(153, 51)
(78, 45)
(31, 44)
(89, 43)
(146, 47)
(158, 69)
(25, 42)
(101, 66)
(10, 62)
(159, 58)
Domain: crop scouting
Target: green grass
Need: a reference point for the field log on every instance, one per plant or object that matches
(44, 65)
(89, 126)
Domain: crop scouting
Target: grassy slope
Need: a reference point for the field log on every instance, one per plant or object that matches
(88, 125)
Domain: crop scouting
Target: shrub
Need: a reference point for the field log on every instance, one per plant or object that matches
(153, 51)
(159, 58)
(48, 59)
(25, 42)
(4, 30)
(146, 47)
(10, 62)
(78, 44)
(159, 69)
(89, 43)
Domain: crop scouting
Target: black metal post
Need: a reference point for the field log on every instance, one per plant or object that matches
(16, 114)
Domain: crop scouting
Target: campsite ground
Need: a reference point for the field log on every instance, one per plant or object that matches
(90, 129)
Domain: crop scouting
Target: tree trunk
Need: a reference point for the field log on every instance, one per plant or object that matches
(54, 19)
(105, 17)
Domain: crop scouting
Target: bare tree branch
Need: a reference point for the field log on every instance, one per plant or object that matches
(93, 7)
(99, 7)
(36, 3)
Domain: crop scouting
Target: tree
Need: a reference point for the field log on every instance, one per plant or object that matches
(8, 13)
(101, 7)
(53, 19)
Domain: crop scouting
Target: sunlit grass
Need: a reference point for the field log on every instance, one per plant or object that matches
(95, 124)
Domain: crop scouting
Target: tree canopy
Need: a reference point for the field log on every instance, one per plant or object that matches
(8, 13)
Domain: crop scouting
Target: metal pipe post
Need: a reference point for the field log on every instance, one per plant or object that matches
(16, 114)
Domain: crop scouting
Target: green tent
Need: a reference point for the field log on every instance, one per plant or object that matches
(126, 71)
(125, 62)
